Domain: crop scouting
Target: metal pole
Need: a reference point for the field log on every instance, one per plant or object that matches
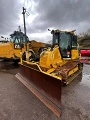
(24, 11)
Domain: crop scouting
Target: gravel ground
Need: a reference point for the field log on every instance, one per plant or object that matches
(18, 103)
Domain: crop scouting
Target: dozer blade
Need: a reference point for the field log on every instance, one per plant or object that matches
(43, 85)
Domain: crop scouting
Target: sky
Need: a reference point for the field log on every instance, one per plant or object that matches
(44, 14)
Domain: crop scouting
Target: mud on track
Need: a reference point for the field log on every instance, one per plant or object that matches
(18, 103)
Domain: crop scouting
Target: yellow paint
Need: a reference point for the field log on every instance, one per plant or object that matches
(7, 51)
(71, 72)
(50, 58)
(75, 54)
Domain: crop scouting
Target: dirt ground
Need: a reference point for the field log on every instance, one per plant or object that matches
(18, 103)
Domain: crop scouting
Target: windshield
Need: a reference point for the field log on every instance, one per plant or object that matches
(74, 42)
(17, 39)
(65, 41)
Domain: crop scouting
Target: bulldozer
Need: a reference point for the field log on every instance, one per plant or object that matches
(57, 65)
(18, 43)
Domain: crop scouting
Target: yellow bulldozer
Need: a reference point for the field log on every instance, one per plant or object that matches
(12, 49)
(57, 64)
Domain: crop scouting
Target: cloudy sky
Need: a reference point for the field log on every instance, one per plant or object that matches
(44, 14)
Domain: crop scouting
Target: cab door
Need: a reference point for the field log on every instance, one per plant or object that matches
(65, 45)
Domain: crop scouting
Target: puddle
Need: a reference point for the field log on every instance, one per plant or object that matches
(86, 75)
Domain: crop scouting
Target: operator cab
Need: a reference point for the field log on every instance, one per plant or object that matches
(18, 38)
(66, 42)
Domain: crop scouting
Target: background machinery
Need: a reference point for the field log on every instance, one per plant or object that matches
(12, 49)
(85, 56)
(57, 64)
